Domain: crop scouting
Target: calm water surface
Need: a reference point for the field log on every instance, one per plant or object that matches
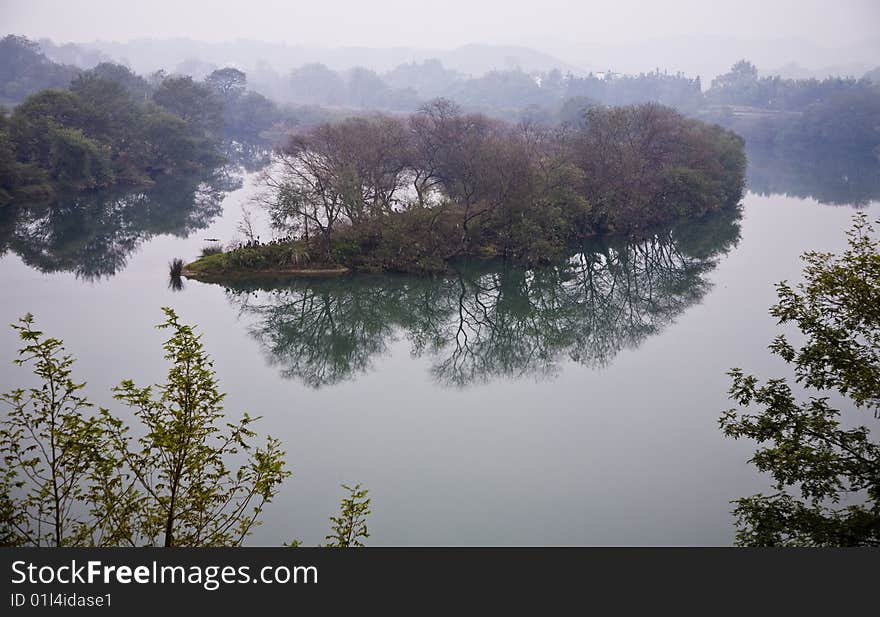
(577, 404)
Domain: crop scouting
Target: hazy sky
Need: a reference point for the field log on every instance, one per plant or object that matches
(552, 25)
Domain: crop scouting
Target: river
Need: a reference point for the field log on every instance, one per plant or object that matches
(573, 405)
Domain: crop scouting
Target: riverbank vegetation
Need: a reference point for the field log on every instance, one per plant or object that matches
(412, 193)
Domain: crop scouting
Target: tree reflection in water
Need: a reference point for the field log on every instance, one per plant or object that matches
(93, 234)
(828, 175)
(488, 321)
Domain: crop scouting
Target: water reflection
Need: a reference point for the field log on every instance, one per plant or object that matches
(488, 321)
(829, 176)
(93, 234)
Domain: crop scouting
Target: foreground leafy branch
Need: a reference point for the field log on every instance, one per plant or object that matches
(349, 528)
(813, 448)
(47, 447)
(186, 493)
(74, 478)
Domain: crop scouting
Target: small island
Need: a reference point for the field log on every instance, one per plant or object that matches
(414, 193)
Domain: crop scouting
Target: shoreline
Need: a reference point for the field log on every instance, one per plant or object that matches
(238, 274)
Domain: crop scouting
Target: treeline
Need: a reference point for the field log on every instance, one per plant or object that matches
(239, 112)
(91, 136)
(500, 93)
(742, 86)
(769, 110)
(412, 193)
(834, 112)
(795, 114)
(25, 70)
(840, 112)
(508, 94)
(510, 91)
(109, 126)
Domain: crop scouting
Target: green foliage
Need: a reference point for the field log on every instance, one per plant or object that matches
(813, 447)
(25, 70)
(838, 310)
(272, 256)
(196, 103)
(71, 479)
(112, 126)
(77, 161)
(247, 115)
(228, 82)
(187, 495)
(31, 124)
(18, 179)
(50, 450)
(136, 86)
(349, 527)
(96, 135)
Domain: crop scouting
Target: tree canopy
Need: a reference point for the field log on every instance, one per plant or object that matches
(413, 193)
(25, 70)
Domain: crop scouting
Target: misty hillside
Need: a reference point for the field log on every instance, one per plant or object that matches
(148, 55)
(785, 56)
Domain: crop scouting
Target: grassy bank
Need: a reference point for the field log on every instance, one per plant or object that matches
(229, 265)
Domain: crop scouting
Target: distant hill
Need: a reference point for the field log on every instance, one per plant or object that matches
(480, 59)
(703, 55)
(148, 55)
